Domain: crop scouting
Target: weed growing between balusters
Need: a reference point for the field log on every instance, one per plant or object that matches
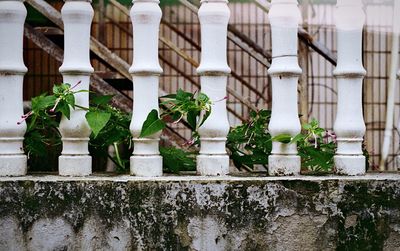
(248, 144)
(109, 125)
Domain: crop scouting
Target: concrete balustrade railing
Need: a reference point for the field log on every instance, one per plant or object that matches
(213, 70)
(397, 158)
(13, 162)
(214, 15)
(349, 125)
(76, 69)
(145, 70)
(284, 17)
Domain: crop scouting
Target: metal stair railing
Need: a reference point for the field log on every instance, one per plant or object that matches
(194, 63)
(97, 83)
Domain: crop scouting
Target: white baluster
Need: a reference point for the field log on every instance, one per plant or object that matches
(145, 70)
(77, 17)
(349, 125)
(390, 89)
(110, 165)
(397, 158)
(12, 69)
(284, 17)
(214, 16)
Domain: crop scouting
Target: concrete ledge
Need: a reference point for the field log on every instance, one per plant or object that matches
(200, 213)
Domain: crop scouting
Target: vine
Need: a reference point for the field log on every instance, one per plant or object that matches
(249, 145)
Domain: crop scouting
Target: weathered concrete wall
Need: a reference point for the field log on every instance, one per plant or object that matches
(194, 213)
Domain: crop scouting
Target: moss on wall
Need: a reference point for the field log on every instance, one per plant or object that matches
(240, 214)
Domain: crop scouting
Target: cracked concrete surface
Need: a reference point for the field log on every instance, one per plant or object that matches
(200, 213)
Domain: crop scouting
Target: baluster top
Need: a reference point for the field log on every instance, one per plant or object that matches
(284, 2)
(90, 1)
(214, 1)
(349, 3)
(349, 15)
(146, 1)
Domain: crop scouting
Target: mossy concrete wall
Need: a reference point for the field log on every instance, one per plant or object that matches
(195, 213)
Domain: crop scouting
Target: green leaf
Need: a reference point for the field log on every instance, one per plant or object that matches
(176, 160)
(42, 102)
(205, 117)
(60, 89)
(169, 96)
(70, 99)
(192, 119)
(265, 113)
(282, 138)
(203, 98)
(97, 120)
(102, 100)
(176, 116)
(31, 123)
(320, 131)
(152, 124)
(307, 126)
(297, 138)
(314, 123)
(182, 95)
(64, 108)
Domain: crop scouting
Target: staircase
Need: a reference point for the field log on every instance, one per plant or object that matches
(179, 55)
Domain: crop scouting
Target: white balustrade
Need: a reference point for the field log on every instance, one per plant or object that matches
(145, 70)
(110, 165)
(390, 89)
(213, 70)
(397, 158)
(349, 125)
(13, 162)
(77, 17)
(214, 16)
(284, 17)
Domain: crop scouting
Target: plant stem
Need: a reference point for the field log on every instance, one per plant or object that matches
(82, 107)
(117, 155)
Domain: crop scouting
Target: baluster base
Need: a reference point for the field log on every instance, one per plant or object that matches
(350, 165)
(75, 165)
(213, 165)
(13, 165)
(146, 166)
(284, 165)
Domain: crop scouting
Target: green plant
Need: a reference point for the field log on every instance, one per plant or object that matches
(176, 160)
(316, 147)
(195, 109)
(62, 101)
(42, 134)
(110, 126)
(42, 141)
(250, 143)
(115, 133)
(192, 108)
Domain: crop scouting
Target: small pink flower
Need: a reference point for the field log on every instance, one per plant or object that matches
(55, 105)
(222, 99)
(27, 115)
(329, 134)
(24, 117)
